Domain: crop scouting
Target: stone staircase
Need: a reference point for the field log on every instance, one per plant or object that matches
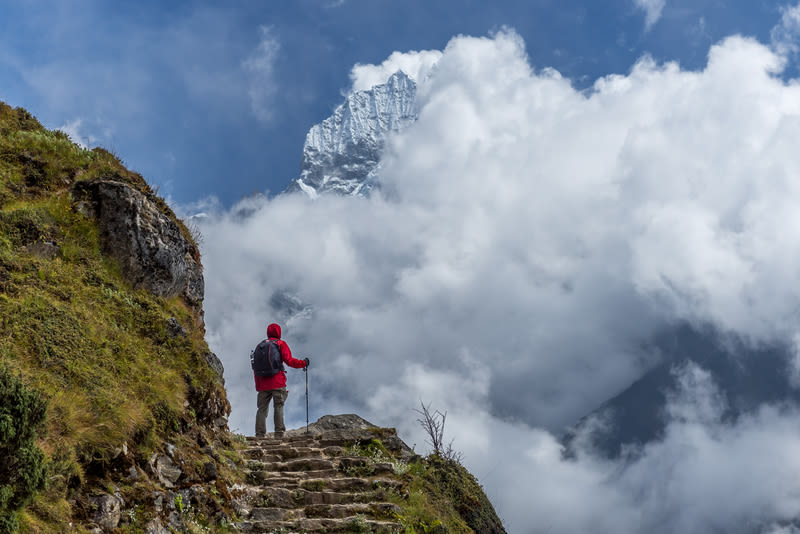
(317, 482)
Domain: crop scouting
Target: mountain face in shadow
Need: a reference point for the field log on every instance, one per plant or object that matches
(746, 377)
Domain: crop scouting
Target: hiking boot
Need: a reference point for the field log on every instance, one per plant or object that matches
(277, 435)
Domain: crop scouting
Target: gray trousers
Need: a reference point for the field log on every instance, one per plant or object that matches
(278, 396)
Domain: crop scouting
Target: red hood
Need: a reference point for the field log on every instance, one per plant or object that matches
(274, 330)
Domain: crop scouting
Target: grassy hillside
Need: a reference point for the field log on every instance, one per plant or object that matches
(104, 386)
(100, 353)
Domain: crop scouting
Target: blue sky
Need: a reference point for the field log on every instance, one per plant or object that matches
(205, 99)
(542, 230)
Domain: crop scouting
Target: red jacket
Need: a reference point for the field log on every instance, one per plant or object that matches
(277, 381)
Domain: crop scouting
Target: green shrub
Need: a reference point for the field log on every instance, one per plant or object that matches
(22, 463)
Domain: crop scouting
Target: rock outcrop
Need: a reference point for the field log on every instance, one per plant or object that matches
(106, 511)
(149, 246)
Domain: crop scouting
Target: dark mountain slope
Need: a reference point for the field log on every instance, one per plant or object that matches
(746, 376)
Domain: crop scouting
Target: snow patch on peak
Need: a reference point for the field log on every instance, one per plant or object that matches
(341, 154)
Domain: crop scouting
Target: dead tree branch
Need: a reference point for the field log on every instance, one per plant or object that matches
(433, 424)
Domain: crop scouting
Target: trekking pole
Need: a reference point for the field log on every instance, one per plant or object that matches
(305, 370)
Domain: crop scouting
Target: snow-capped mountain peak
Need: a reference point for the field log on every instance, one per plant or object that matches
(341, 154)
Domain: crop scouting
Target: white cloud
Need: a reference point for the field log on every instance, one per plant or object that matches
(785, 34)
(530, 239)
(416, 64)
(260, 67)
(652, 10)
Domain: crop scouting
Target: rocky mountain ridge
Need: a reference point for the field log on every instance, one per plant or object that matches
(745, 377)
(342, 153)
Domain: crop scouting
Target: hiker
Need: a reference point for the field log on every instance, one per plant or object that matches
(271, 383)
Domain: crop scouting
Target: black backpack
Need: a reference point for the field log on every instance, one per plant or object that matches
(266, 358)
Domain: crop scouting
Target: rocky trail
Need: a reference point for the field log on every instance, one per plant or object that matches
(321, 482)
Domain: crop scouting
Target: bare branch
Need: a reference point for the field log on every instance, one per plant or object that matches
(433, 424)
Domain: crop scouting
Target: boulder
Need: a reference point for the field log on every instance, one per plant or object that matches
(333, 429)
(340, 422)
(209, 471)
(215, 364)
(158, 501)
(175, 329)
(175, 522)
(165, 470)
(133, 473)
(106, 511)
(147, 243)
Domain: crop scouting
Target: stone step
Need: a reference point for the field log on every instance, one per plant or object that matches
(286, 451)
(291, 453)
(358, 465)
(349, 484)
(273, 514)
(346, 462)
(296, 497)
(355, 487)
(260, 454)
(298, 465)
(256, 465)
(268, 478)
(334, 450)
(275, 454)
(364, 466)
(340, 442)
(286, 441)
(378, 510)
(346, 525)
(261, 479)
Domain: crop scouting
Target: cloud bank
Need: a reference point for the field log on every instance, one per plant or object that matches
(528, 240)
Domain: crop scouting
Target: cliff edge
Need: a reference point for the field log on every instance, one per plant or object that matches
(113, 411)
(108, 390)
